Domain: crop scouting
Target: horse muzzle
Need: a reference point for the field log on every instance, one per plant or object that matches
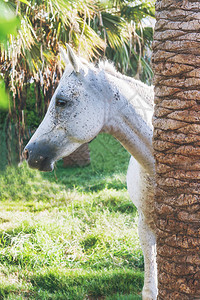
(39, 156)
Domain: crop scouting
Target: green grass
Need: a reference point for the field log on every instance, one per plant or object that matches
(72, 233)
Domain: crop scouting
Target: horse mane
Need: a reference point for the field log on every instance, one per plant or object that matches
(144, 90)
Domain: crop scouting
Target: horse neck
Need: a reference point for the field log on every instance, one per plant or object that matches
(127, 120)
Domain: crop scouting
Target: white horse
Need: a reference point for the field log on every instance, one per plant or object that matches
(91, 100)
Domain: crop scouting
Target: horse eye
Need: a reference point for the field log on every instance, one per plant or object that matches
(60, 103)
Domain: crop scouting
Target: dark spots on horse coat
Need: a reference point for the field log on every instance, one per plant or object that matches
(117, 96)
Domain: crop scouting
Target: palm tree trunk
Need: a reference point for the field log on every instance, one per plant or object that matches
(176, 63)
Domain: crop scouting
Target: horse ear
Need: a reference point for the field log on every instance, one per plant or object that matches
(73, 59)
(64, 55)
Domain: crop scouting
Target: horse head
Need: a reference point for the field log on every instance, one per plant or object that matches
(75, 116)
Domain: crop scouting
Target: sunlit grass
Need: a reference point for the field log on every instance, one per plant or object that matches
(71, 234)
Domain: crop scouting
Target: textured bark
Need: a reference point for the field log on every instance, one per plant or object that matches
(176, 63)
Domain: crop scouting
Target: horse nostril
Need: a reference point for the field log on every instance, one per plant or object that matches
(26, 154)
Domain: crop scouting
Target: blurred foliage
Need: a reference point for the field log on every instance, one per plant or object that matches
(4, 101)
(8, 22)
(8, 26)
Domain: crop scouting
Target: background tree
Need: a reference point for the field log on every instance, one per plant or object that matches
(176, 62)
(128, 33)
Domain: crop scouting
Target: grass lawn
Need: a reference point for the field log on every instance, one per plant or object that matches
(70, 234)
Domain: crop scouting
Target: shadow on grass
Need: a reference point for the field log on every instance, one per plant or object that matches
(80, 285)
